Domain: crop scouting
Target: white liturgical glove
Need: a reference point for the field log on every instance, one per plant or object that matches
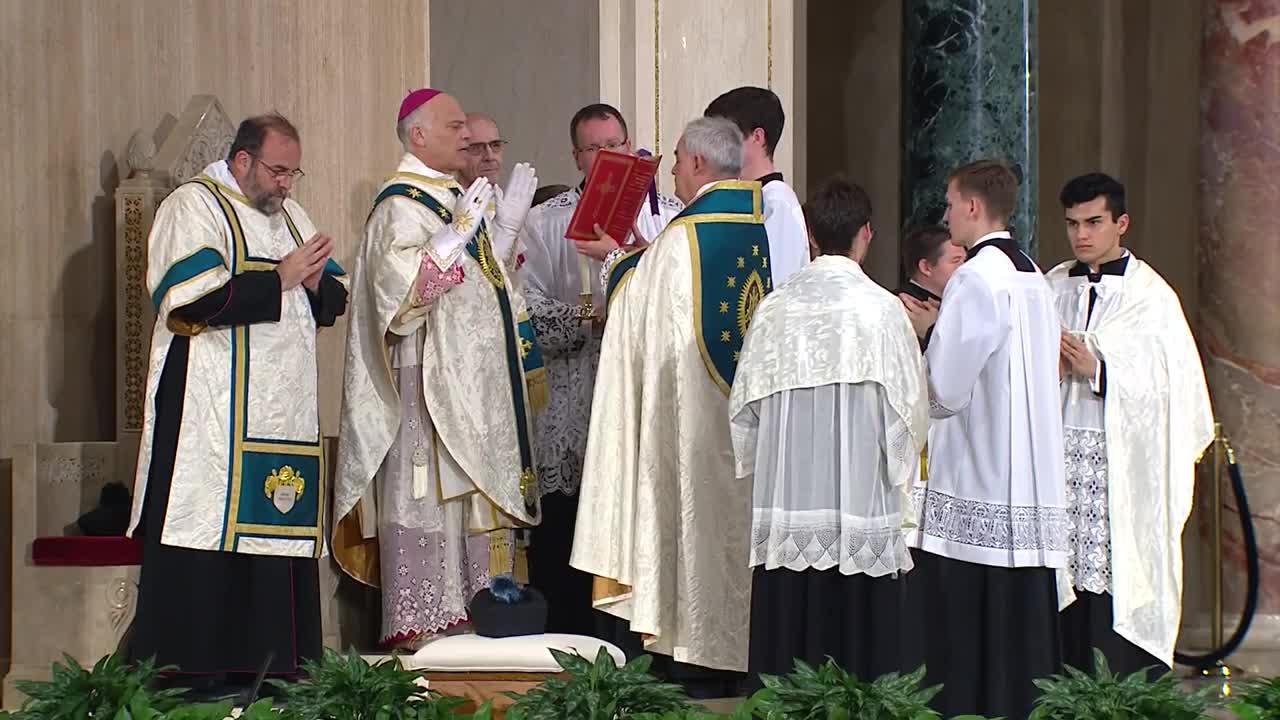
(513, 207)
(447, 242)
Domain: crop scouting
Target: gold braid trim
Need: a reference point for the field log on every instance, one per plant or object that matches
(538, 388)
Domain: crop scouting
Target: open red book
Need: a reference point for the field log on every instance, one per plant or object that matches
(614, 191)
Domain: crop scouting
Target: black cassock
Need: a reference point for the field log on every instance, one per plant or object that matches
(218, 615)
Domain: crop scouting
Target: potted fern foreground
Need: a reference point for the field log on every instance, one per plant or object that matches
(114, 690)
(1077, 695)
(827, 692)
(599, 690)
(349, 688)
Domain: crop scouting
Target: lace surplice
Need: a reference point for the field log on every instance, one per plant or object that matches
(571, 354)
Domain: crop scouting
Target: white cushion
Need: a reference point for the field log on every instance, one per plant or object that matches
(524, 653)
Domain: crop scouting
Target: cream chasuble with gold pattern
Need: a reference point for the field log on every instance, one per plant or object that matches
(437, 398)
(668, 530)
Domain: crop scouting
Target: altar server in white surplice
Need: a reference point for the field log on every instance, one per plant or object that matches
(993, 525)
(758, 114)
(1136, 415)
(829, 412)
(564, 317)
(230, 492)
(435, 459)
(668, 532)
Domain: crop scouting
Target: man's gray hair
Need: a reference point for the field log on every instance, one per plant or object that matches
(417, 117)
(718, 141)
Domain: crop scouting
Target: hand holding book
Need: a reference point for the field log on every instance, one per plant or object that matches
(612, 196)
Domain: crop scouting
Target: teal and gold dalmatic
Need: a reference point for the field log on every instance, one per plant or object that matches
(248, 473)
(729, 250)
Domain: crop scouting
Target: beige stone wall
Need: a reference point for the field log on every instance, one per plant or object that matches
(81, 76)
(530, 65)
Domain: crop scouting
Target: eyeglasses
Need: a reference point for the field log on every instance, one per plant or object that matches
(495, 147)
(279, 173)
(611, 145)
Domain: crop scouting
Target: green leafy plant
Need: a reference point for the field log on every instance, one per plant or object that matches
(599, 690)
(103, 691)
(1077, 695)
(827, 692)
(347, 687)
(1257, 699)
(744, 711)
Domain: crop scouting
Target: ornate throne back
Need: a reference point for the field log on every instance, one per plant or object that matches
(201, 136)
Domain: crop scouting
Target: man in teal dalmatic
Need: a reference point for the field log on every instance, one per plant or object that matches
(667, 539)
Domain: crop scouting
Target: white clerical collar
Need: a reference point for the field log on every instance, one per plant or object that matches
(220, 172)
(1005, 234)
(410, 163)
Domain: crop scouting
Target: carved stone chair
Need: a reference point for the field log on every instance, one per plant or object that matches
(81, 609)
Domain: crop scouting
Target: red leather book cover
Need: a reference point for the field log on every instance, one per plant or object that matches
(614, 191)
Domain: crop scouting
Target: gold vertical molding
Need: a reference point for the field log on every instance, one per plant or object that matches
(657, 88)
(769, 43)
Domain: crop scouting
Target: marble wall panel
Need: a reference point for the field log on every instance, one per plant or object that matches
(1239, 289)
(665, 60)
(969, 94)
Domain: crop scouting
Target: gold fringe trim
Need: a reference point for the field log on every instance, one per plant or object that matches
(539, 390)
(924, 464)
(501, 552)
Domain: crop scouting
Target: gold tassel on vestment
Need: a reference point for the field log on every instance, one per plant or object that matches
(501, 552)
(536, 384)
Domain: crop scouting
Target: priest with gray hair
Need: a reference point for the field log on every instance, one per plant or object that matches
(668, 534)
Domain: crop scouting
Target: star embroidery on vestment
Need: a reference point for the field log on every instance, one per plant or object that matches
(731, 281)
(735, 355)
(724, 336)
(742, 263)
(462, 221)
(764, 262)
(755, 250)
(414, 193)
(525, 347)
(724, 307)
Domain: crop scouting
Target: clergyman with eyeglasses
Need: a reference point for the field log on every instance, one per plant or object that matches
(230, 497)
(562, 317)
(484, 153)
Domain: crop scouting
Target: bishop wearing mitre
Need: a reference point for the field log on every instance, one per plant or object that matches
(435, 460)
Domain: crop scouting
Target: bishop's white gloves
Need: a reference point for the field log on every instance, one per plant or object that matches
(468, 212)
(513, 208)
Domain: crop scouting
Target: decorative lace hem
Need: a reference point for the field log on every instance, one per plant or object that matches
(993, 525)
(808, 545)
(1089, 562)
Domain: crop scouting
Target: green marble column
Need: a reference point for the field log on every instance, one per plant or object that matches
(968, 93)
